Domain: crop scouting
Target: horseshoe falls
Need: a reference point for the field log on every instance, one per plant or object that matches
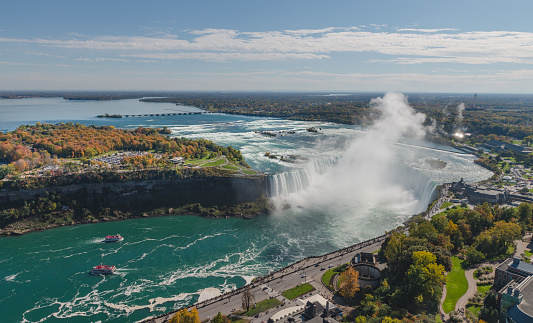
(345, 184)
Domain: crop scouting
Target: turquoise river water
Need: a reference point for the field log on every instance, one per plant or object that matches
(168, 262)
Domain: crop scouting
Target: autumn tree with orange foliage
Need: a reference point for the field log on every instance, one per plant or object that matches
(349, 283)
(184, 316)
(32, 146)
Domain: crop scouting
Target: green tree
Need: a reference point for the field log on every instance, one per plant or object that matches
(219, 318)
(425, 278)
(394, 249)
(423, 230)
(524, 212)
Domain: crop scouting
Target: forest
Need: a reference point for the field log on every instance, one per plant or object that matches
(32, 146)
(507, 115)
(500, 115)
(417, 261)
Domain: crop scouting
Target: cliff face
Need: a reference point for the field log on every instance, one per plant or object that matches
(220, 191)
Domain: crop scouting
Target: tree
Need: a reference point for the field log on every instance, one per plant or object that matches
(474, 256)
(248, 298)
(349, 283)
(423, 230)
(219, 318)
(184, 316)
(393, 251)
(425, 278)
(525, 211)
(497, 239)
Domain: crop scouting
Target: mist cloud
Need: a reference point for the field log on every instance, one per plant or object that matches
(367, 172)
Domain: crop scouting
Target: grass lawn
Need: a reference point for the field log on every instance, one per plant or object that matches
(215, 163)
(437, 318)
(474, 309)
(297, 291)
(230, 167)
(456, 286)
(197, 161)
(446, 204)
(248, 171)
(263, 306)
(528, 253)
(445, 212)
(326, 277)
(238, 320)
(504, 168)
(483, 289)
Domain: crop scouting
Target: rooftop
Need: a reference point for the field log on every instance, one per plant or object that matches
(523, 312)
(521, 266)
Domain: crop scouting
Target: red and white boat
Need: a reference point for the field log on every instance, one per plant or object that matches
(115, 238)
(103, 270)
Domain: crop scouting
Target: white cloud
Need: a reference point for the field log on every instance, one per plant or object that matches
(405, 46)
(230, 56)
(101, 59)
(44, 54)
(421, 30)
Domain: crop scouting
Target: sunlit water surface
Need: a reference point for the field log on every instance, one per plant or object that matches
(168, 262)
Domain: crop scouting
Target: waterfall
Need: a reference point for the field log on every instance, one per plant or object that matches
(421, 187)
(295, 180)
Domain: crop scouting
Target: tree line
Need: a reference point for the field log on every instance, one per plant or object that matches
(31, 146)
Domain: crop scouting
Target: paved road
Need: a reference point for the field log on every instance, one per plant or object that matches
(307, 270)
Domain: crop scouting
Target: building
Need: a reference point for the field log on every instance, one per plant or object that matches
(516, 305)
(369, 273)
(512, 279)
(479, 194)
(313, 309)
(503, 146)
(178, 160)
(511, 270)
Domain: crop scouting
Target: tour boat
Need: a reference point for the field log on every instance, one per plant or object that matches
(103, 270)
(115, 238)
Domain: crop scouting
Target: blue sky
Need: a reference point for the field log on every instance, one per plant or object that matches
(346, 46)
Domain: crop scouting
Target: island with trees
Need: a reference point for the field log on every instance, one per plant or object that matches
(70, 173)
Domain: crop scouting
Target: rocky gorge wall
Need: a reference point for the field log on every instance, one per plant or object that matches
(208, 191)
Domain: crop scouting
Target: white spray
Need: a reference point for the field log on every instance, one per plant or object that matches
(460, 109)
(366, 172)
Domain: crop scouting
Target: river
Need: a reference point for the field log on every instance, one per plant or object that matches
(168, 262)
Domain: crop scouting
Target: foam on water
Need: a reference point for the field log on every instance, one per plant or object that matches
(168, 262)
(208, 293)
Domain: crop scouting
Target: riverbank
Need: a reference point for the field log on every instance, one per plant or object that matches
(27, 226)
(253, 209)
(215, 197)
(297, 273)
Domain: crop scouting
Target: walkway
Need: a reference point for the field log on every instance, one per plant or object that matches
(472, 289)
(443, 315)
(460, 306)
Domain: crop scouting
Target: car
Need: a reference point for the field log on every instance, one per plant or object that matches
(304, 275)
(322, 269)
(330, 266)
(316, 265)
